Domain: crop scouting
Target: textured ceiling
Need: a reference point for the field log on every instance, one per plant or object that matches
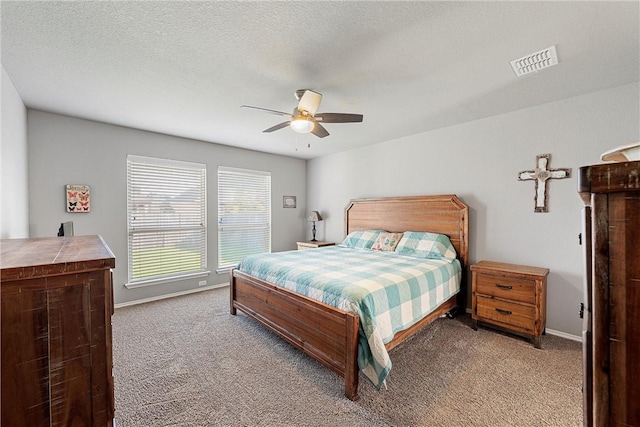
(184, 68)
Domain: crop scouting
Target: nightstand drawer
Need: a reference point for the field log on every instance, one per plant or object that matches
(506, 313)
(509, 288)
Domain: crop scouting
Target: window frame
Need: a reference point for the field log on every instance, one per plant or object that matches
(197, 173)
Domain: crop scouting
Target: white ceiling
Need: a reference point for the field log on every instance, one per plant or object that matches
(184, 68)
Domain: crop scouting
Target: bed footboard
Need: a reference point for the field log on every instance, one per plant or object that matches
(327, 334)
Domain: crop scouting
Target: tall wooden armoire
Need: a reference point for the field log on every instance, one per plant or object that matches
(611, 332)
(57, 303)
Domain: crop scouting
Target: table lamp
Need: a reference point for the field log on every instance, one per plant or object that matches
(313, 217)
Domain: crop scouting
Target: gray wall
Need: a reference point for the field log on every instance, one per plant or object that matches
(479, 161)
(14, 196)
(65, 150)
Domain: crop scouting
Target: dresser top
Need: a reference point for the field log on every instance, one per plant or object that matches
(515, 269)
(609, 177)
(29, 258)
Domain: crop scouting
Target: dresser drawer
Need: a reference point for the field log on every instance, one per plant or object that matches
(509, 288)
(506, 313)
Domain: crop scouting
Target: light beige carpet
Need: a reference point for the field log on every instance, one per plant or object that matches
(186, 361)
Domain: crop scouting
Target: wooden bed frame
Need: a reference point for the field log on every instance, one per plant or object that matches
(326, 333)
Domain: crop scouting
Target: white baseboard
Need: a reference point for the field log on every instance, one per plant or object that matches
(564, 335)
(552, 332)
(165, 296)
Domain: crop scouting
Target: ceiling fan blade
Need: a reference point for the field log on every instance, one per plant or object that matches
(338, 118)
(277, 127)
(309, 102)
(279, 113)
(319, 131)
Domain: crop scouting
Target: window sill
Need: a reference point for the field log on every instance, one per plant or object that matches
(163, 280)
(225, 270)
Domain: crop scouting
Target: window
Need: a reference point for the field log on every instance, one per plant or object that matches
(244, 215)
(167, 220)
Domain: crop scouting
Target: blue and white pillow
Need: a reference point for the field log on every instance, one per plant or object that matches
(362, 239)
(422, 244)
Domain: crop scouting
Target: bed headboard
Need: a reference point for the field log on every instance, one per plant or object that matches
(444, 214)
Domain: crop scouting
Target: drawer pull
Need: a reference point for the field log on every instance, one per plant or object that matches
(501, 311)
(501, 286)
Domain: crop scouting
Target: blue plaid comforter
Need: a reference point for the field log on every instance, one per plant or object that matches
(389, 292)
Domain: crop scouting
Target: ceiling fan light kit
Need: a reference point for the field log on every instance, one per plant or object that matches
(304, 118)
(302, 124)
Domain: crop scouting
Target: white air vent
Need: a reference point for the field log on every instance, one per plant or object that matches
(535, 61)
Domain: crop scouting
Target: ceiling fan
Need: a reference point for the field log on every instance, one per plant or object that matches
(305, 118)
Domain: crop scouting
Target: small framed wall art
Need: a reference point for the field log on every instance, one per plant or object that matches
(288, 201)
(78, 198)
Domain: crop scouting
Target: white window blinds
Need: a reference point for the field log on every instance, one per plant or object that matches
(167, 218)
(244, 215)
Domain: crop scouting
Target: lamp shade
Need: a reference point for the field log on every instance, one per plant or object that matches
(314, 216)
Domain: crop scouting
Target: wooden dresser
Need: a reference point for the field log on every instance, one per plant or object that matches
(56, 302)
(511, 297)
(611, 328)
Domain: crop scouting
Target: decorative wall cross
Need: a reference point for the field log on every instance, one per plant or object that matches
(541, 174)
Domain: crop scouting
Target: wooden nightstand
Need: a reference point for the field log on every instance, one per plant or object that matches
(308, 244)
(510, 297)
